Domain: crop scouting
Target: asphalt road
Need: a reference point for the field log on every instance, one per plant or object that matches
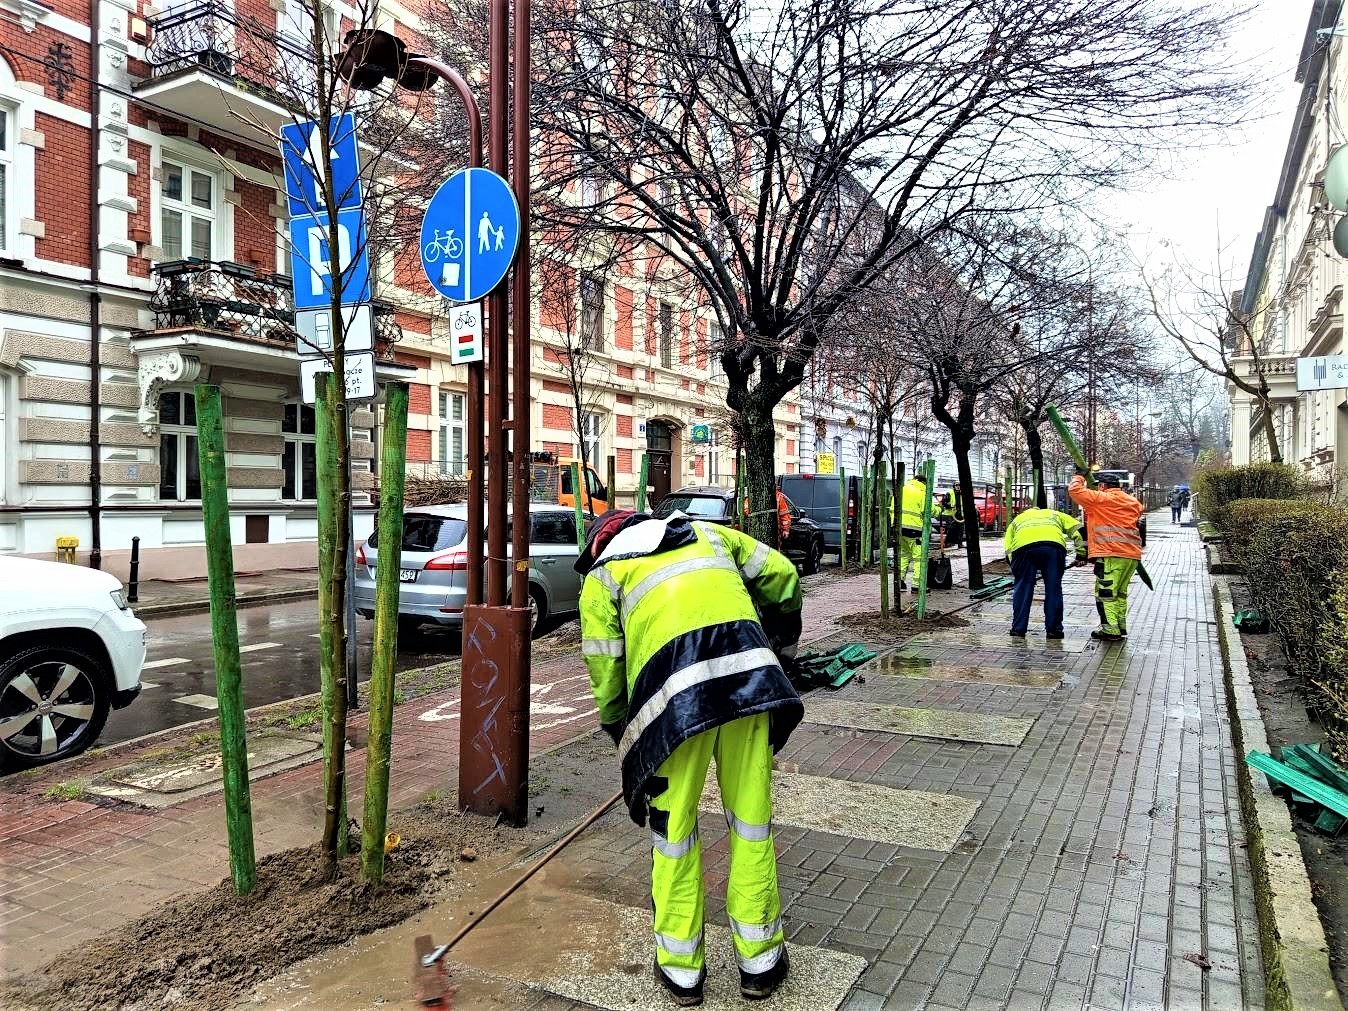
(279, 647)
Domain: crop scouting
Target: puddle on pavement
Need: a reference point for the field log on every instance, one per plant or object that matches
(898, 665)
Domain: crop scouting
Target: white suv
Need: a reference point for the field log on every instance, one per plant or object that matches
(70, 651)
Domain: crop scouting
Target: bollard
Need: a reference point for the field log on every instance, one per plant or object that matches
(133, 585)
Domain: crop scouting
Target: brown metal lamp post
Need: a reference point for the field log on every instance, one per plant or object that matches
(494, 727)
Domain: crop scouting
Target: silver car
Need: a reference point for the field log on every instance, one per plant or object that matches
(434, 567)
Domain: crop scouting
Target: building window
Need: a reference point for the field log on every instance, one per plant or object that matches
(591, 313)
(714, 458)
(453, 433)
(187, 216)
(837, 451)
(179, 467)
(299, 456)
(666, 335)
(590, 427)
(6, 178)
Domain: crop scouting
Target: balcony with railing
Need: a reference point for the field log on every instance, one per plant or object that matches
(228, 314)
(219, 68)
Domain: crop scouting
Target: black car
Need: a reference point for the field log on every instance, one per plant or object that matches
(804, 545)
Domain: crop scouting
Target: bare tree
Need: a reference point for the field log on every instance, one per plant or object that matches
(732, 139)
(1202, 313)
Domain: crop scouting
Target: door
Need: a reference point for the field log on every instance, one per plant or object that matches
(660, 454)
(553, 554)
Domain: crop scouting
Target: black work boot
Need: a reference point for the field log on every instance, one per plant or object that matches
(683, 996)
(762, 985)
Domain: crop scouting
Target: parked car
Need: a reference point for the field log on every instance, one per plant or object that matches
(433, 571)
(816, 495)
(804, 545)
(70, 652)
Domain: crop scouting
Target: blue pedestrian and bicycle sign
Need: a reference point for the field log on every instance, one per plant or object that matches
(469, 234)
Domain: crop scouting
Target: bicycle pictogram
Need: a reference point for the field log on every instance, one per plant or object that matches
(451, 247)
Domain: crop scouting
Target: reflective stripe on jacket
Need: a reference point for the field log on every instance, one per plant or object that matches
(1111, 520)
(671, 634)
(1036, 525)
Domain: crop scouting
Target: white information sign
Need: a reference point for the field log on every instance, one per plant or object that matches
(1325, 372)
(314, 330)
(360, 384)
(465, 333)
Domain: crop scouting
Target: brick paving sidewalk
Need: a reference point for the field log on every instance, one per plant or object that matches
(1104, 864)
(73, 870)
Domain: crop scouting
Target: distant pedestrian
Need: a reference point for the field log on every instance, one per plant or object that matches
(1176, 503)
(1036, 547)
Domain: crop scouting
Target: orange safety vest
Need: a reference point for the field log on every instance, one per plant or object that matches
(1111, 520)
(783, 515)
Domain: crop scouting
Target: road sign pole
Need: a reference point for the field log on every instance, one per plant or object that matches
(225, 638)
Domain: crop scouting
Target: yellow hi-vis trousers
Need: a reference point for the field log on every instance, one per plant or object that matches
(743, 754)
(1112, 576)
(909, 552)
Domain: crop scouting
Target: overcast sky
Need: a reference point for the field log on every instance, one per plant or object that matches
(1225, 191)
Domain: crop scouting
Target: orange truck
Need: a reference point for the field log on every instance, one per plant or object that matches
(550, 481)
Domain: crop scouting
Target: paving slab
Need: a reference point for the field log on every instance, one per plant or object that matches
(913, 818)
(947, 724)
(973, 637)
(901, 665)
(601, 953)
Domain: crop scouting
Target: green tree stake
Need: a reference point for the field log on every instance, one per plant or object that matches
(580, 505)
(1007, 491)
(882, 518)
(642, 481)
(737, 520)
(379, 750)
(325, 468)
(225, 638)
(898, 537)
(867, 496)
(842, 517)
(929, 468)
(612, 476)
(1040, 499)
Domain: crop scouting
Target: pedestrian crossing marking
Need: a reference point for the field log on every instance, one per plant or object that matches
(172, 661)
(200, 701)
(946, 724)
(913, 818)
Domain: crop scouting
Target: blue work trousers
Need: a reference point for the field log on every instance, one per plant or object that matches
(1045, 560)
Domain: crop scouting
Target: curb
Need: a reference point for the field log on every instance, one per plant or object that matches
(1215, 565)
(197, 605)
(1295, 952)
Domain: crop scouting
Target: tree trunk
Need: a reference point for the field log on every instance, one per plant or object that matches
(1270, 430)
(1035, 445)
(760, 473)
(973, 550)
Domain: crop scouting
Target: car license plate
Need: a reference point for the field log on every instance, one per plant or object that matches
(408, 575)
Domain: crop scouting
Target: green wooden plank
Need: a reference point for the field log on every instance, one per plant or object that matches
(1322, 767)
(1325, 796)
(1330, 823)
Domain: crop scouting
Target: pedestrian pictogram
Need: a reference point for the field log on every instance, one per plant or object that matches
(469, 234)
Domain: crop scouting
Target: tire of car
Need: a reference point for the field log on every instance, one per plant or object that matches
(538, 604)
(408, 625)
(812, 556)
(54, 701)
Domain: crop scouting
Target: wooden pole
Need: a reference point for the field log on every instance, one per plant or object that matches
(225, 638)
(898, 537)
(580, 507)
(644, 478)
(867, 494)
(1008, 492)
(378, 752)
(930, 470)
(1040, 500)
(882, 486)
(325, 470)
(737, 520)
(842, 517)
(611, 500)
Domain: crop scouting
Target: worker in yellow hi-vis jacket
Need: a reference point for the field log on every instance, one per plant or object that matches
(684, 628)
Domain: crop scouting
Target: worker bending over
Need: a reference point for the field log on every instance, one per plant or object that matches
(1113, 544)
(1036, 547)
(683, 671)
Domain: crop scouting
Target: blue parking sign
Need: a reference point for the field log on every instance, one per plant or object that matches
(313, 267)
(301, 149)
(469, 234)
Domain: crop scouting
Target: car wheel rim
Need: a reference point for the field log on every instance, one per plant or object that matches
(46, 709)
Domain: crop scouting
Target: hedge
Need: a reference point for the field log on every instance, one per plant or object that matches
(1295, 558)
(1218, 487)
